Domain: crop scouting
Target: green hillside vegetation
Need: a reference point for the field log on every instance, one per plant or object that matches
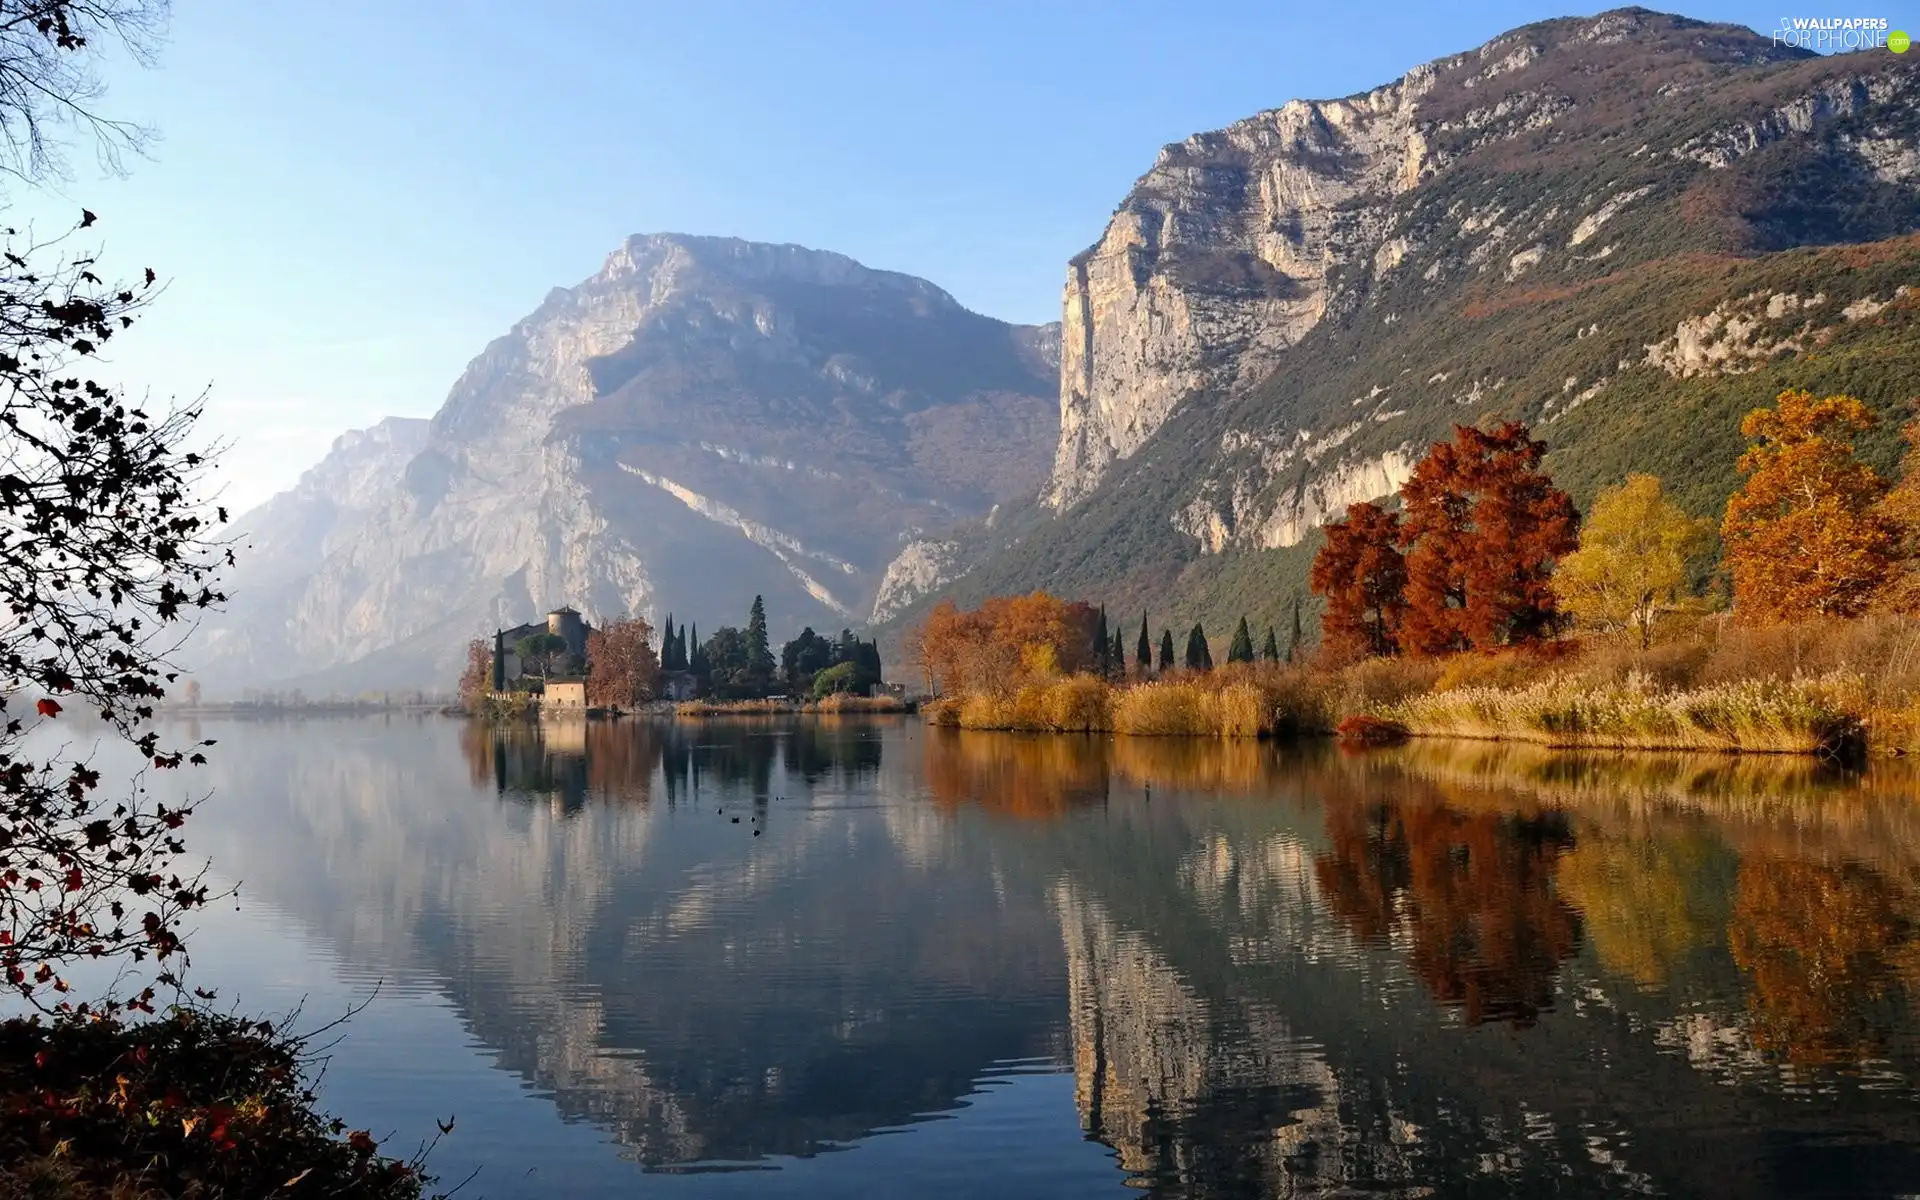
(1456, 333)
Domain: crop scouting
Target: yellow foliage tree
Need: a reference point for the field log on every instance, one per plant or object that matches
(1804, 535)
(1632, 559)
(1901, 507)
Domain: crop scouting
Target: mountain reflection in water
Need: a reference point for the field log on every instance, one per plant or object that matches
(1441, 970)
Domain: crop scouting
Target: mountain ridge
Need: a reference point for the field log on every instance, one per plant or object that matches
(1282, 314)
(700, 420)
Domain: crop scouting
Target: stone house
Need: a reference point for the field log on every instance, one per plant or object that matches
(564, 695)
(563, 622)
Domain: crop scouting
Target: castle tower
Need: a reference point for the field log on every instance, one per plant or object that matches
(565, 624)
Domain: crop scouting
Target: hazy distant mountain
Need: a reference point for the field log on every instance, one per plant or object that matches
(281, 542)
(1625, 229)
(703, 420)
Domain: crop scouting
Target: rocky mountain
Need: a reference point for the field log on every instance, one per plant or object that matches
(285, 537)
(702, 420)
(1625, 229)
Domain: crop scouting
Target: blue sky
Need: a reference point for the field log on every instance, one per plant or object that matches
(350, 199)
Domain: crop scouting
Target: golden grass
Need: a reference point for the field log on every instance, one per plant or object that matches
(1711, 686)
(843, 702)
(1237, 702)
(732, 708)
(1795, 716)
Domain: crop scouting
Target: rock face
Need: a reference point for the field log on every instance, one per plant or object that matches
(701, 421)
(280, 541)
(1236, 243)
(1582, 225)
(1219, 259)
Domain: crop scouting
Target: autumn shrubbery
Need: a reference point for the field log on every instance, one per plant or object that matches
(191, 1104)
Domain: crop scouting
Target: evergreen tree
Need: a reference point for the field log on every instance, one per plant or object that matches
(1293, 644)
(1119, 654)
(1102, 645)
(1199, 657)
(1240, 650)
(697, 661)
(1166, 649)
(666, 645)
(1271, 651)
(759, 653)
(1143, 651)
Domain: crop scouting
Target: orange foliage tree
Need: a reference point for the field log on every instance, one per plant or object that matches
(1484, 527)
(622, 668)
(1007, 641)
(1804, 534)
(477, 679)
(1363, 576)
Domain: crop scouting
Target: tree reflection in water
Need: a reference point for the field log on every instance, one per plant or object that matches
(1237, 948)
(1473, 892)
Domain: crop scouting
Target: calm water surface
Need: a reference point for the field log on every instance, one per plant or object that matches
(984, 965)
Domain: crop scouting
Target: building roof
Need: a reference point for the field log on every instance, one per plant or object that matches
(563, 610)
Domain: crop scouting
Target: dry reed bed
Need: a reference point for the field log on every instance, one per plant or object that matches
(1229, 704)
(837, 704)
(1772, 716)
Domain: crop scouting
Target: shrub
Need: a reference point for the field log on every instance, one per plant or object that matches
(1078, 705)
(1163, 710)
(1373, 730)
(192, 1104)
(1503, 669)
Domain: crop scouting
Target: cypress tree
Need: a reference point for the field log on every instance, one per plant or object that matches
(1240, 650)
(1271, 651)
(1143, 651)
(1119, 654)
(499, 660)
(1166, 649)
(1102, 644)
(1199, 658)
(1293, 646)
(666, 645)
(759, 651)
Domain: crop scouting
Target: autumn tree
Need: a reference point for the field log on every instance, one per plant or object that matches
(1483, 530)
(1805, 534)
(109, 545)
(1632, 560)
(1007, 641)
(622, 669)
(476, 680)
(1363, 576)
(1900, 508)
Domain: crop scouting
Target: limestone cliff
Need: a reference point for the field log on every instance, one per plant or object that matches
(1584, 224)
(701, 421)
(1238, 242)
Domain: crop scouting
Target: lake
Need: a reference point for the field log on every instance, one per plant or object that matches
(865, 958)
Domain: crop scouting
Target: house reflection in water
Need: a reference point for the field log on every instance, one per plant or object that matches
(569, 763)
